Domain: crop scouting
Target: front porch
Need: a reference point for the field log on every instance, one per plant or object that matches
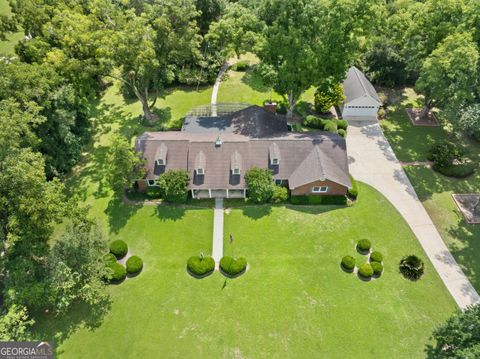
(218, 193)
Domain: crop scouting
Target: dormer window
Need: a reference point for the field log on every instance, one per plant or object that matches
(236, 163)
(274, 154)
(161, 155)
(200, 163)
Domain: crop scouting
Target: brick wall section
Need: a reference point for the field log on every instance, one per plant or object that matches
(142, 185)
(333, 189)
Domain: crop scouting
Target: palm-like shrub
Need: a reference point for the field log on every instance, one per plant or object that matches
(411, 267)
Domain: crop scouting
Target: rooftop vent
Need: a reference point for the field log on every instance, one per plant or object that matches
(218, 141)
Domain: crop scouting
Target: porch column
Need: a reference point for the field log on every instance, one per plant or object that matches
(209, 193)
(193, 194)
(227, 192)
(244, 193)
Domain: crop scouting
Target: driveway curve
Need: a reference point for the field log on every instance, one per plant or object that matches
(372, 160)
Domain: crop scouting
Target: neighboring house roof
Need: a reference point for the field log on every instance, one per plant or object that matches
(356, 85)
(306, 157)
(253, 121)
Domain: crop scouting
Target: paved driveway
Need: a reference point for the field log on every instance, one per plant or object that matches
(372, 160)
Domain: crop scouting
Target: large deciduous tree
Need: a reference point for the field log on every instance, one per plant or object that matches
(449, 75)
(307, 42)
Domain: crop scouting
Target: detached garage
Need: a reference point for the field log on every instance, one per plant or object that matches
(361, 99)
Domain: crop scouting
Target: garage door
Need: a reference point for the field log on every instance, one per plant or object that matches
(359, 111)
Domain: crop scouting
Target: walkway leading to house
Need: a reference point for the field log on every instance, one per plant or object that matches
(222, 71)
(217, 247)
(372, 160)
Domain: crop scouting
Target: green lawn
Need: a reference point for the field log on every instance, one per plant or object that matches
(412, 143)
(294, 301)
(7, 47)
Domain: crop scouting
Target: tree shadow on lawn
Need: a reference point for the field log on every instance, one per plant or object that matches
(315, 209)
(49, 327)
(256, 212)
(253, 80)
(170, 212)
(119, 212)
(467, 254)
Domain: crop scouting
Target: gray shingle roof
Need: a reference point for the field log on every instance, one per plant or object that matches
(253, 121)
(306, 157)
(356, 85)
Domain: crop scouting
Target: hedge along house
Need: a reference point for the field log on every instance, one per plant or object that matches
(361, 99)
(216, 152)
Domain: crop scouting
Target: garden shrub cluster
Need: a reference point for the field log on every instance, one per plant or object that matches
(200, 265)
(262, 189)
(280, 194)
(233, 266)
(317, 200)
(364, 245)
(348, 263)
(154, 192)
(119, 248)
(353, 191)
(134, 264)
(450, 160)
(118, 273)
(366, 270)
(330, 125)
(174, 186)
(411, 267)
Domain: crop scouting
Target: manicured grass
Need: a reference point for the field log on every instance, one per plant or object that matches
(462, 239)
(7, 47)
(294, 301)
(411, 143)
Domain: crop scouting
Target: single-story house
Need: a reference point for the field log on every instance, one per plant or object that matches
(217, 153)
(361, 99)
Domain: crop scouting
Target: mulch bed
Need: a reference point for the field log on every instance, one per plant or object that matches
(414, 116)
(466, 204)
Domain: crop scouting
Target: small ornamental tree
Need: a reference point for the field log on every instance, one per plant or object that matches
(173, 186)
(469, 120)
(459, 336)
(260, 184)
(444, 153)
(328, 96)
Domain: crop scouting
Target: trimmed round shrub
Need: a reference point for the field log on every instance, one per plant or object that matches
(134, 264)
(118, 273)
(342, 132)
(109, 259)
(348, 263)
(280, 194)
(200, 265)
(364, 245)
(411, 267)
(119, 248)
(233, 266)
(365, 270)
(331, 126)
(342, 124)
(377, 268)
(376, 257)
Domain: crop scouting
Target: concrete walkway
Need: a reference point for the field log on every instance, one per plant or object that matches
(217, 247)
(222, 71)
(372, 160)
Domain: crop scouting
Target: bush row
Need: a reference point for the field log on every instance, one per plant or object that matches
(334, 126)
(313, 200)
(461, 170)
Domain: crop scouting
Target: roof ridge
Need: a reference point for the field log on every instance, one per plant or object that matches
(357, 73)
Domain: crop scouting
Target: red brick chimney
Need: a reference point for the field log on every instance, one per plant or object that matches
(270, 106)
